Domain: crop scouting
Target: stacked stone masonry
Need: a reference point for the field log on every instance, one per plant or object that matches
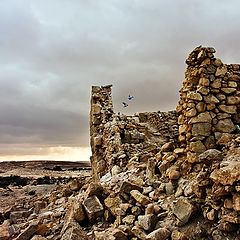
(117, 138)
(172, 175)
(101, 112)
(209, 102)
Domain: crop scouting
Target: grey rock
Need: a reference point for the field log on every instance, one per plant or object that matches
(147, 222)
(211, 155)
(93, 208)
(183, 210)
(28, 232)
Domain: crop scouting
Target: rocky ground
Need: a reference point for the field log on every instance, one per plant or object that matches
(158, 198)
(28, 186)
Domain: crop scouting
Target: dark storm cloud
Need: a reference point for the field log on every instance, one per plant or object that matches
(53, 51)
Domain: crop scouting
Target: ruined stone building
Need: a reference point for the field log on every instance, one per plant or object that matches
(207, 113)
(116, 139)
(209, 104)
(172, 175)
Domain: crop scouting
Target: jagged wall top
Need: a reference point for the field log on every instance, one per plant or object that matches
(199, 54)
(209, 102)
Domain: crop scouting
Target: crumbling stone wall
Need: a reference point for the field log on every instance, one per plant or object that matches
(208, 113)
(209, 102)
(101, 112)
(117, 138)
(164, 122)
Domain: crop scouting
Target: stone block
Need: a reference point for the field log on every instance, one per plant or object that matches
(216, 83)
(129, 219)
(75, 185)
(233, 100)
(96, 109)
(174, 174)
(201, 129)
(167, 147)
(225, 126)
(210, 99)
(191, 113)
(147, 222)
(93, 208)
(228, 90)
(110, 234)
(127, 187)
(138, 232)
(211, 155)
(231, 109)
(228, 174)
(140, 198)
(159, 234)
(169, 188)
(18, 215)
(204, 117)
(203, 90)
(94, 188)
(112, 203)
(78, 212)
(194, 96)
(201, 107)
(221, 71)
(150, 171)
(197, 147)
(74, 232)
(183, 210)
(236, 202)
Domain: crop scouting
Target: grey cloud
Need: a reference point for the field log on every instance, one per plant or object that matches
(53, 51)
(42, 125)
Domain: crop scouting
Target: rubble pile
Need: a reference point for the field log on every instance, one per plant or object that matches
(155, 176)
(38, 211)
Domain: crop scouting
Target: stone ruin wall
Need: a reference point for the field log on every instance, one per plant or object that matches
(167, 152)
(209, 102)
(116, 138)
(101, 112)
(207, 114)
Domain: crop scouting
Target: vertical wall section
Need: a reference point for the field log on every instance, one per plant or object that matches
(101, 112)
(209, 102)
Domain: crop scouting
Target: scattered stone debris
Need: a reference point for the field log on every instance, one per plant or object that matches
(155, 176)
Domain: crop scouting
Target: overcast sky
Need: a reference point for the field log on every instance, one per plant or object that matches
(53, 51)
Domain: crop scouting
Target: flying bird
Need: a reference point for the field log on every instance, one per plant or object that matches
(124, 104)
(130, 97)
